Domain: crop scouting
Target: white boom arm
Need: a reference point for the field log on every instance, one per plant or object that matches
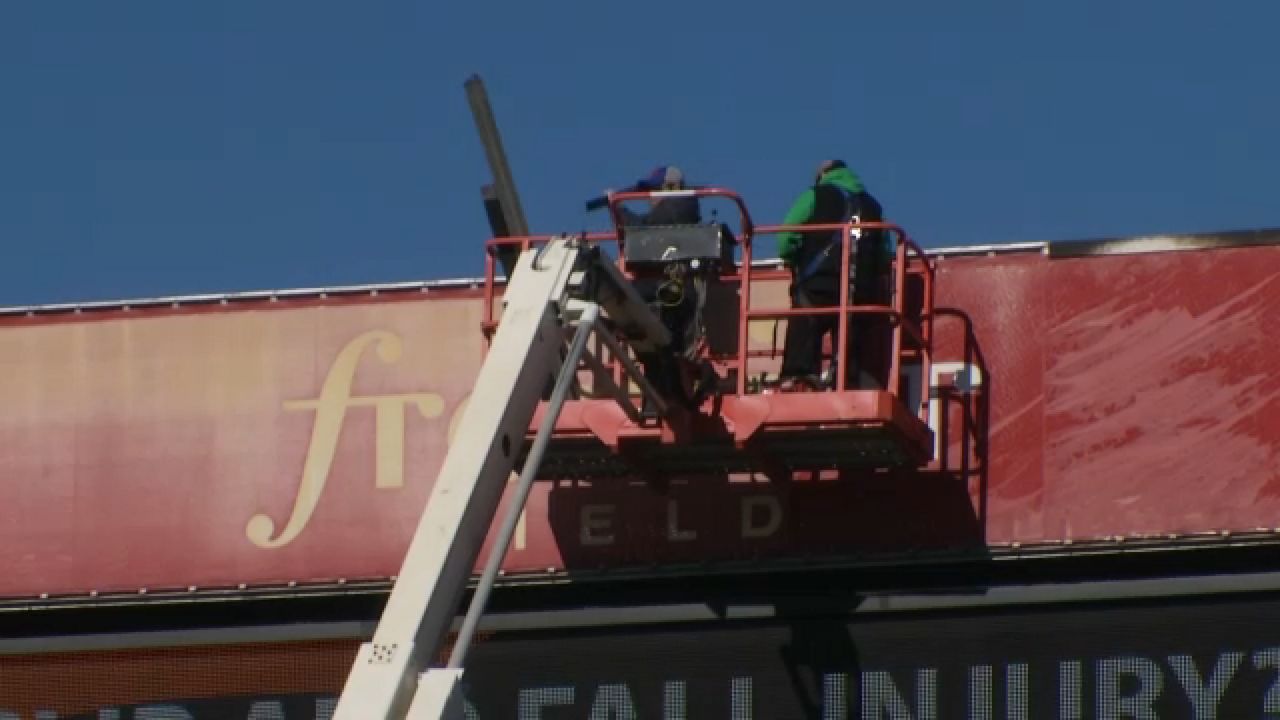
(390, 676)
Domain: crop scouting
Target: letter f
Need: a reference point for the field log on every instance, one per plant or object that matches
(331, 410)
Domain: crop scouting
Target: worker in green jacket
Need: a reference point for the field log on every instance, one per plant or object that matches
(837, 195)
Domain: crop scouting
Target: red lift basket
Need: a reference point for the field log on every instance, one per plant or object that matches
(747, 427)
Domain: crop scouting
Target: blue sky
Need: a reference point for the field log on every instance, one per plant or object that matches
(154, 148)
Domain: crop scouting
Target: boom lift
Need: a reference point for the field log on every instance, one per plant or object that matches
(531, 411)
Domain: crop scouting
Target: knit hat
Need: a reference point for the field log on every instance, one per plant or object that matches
(662, 176)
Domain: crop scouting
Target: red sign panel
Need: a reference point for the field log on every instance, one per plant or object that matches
(298, 441)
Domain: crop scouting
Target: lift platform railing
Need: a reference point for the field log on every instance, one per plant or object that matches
(909, 260)
(494, 247)
(746, 226)
(912, 333)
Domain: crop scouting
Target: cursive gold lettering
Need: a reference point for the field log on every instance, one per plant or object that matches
(330, 413)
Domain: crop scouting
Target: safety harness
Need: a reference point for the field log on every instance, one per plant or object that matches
(815, 264)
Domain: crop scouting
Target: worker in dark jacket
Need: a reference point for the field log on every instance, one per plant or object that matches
(814, 260)
(674, 301)
(682, 210)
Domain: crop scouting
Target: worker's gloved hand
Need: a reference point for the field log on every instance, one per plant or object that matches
(600, 201)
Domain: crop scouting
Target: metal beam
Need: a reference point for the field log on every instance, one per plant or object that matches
(503, 190)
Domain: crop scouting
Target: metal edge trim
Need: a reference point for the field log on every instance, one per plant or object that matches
(246, 296)
(874, 604)
(370, 289)
(294, 632)
(1053, 248)
(1164, 545)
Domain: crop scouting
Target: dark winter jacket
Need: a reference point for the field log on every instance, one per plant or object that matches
(824, 204)
(682, 210)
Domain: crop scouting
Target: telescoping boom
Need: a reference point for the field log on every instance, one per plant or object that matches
(560, 287)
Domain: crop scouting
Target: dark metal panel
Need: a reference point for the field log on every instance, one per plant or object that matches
(1216, 655)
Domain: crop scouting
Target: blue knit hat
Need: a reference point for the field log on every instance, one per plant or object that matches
(662, 176)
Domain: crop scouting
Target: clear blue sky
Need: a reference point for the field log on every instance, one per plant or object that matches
(160, 147)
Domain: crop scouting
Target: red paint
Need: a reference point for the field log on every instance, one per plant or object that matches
(1128, 395)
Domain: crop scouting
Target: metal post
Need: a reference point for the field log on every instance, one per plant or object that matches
(842, 345)
(744, 312)
(501, 201)
(504, 185)
(899, 307)
(564, 381)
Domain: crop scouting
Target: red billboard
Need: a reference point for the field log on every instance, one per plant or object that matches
(295, 439)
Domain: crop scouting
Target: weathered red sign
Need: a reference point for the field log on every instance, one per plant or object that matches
(260, 442)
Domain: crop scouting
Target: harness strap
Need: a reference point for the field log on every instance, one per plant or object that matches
(812, 267)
